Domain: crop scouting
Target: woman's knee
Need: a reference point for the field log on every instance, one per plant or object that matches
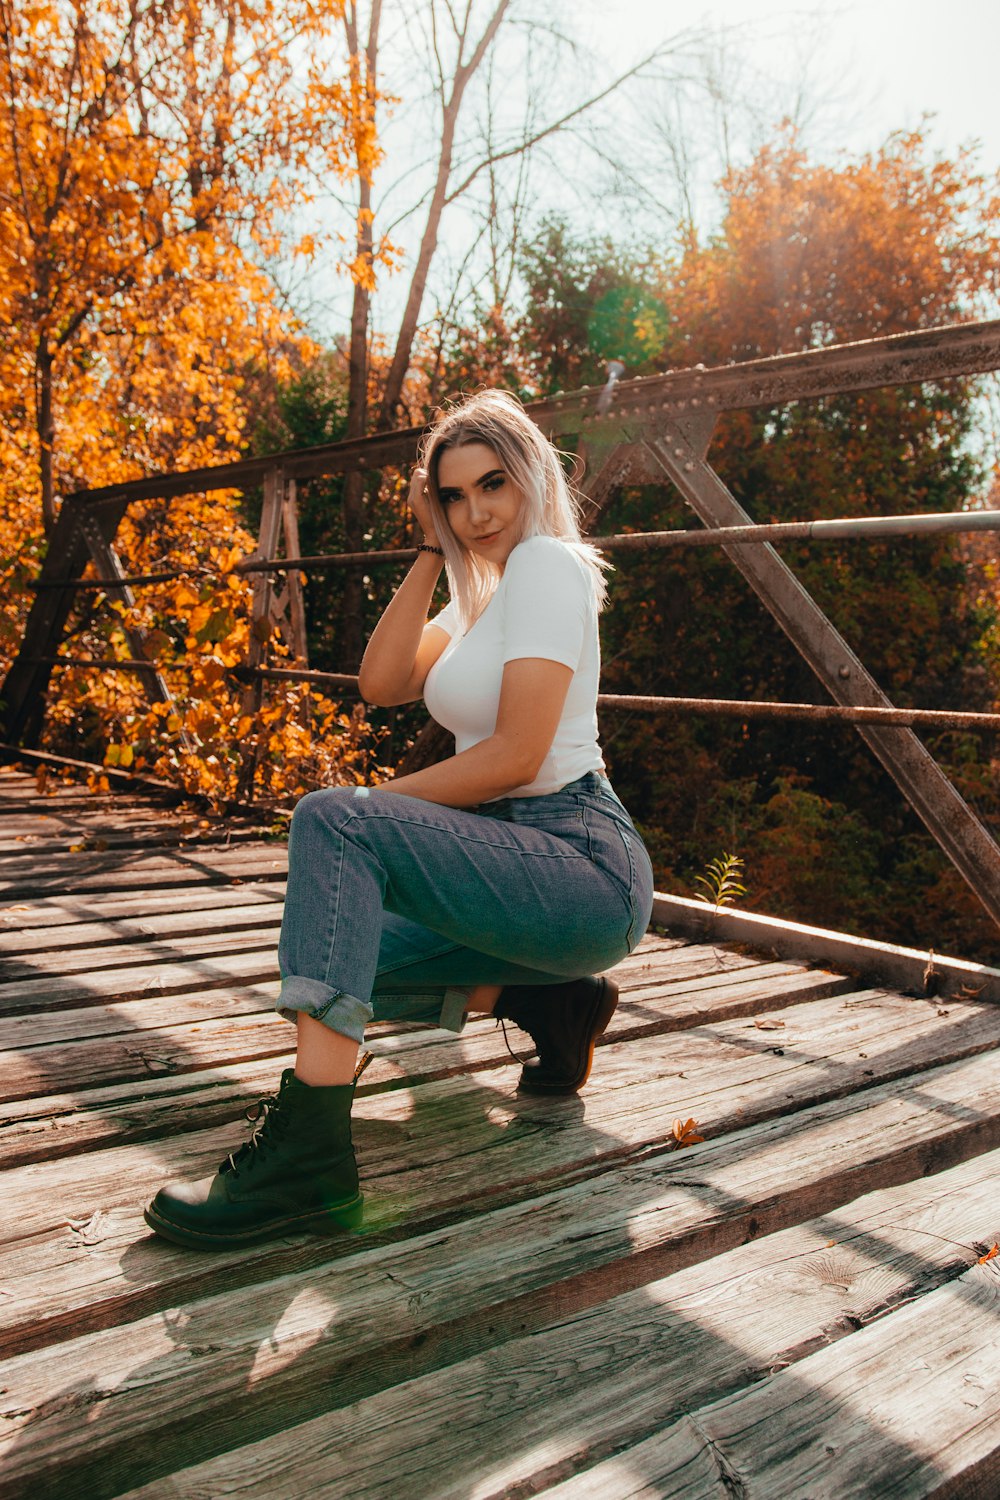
(331, 807)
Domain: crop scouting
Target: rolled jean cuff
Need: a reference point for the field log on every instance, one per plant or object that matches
(453, 1010)
(340, 1012)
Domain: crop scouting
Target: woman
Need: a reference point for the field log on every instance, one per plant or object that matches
(490, 882)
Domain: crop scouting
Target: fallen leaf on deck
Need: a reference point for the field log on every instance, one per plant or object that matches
(991, 1253)
(685, 1133)
(767, 1024)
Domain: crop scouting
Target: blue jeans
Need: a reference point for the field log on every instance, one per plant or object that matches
(397, 907)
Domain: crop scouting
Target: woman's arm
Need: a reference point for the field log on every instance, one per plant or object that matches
(403, 647)
(532, 696)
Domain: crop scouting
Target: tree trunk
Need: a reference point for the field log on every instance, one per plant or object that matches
(46, 431)
(450, 109)
(353, 505)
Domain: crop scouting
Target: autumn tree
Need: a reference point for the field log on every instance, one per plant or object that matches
(813, 254)
(442, 68)
(148, 160)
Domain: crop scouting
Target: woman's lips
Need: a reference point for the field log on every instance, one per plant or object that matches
(490, 536)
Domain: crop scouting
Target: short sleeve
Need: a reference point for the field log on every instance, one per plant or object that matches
(447, 620)
(549, 602)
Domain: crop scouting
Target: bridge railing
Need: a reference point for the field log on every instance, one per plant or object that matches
(655, 428)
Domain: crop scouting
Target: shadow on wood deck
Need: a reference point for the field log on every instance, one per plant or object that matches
(547, 1298)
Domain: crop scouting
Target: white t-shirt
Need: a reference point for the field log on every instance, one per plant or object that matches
(544, 606)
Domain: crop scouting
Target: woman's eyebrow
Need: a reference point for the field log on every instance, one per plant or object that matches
(450, 489)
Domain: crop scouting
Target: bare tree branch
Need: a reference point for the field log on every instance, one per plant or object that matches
(551, 128)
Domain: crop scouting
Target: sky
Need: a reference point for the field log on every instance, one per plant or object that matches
(858, 71)
(890, 60)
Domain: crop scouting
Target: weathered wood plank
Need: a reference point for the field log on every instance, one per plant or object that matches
(125, 839)
(255, 962)
(785, 981)
(26, 996)
(31, 1031)
(50, 825)
(43, 1129)
(31, 920)
(675, 1464)
(241, 1019)
(24, 876)
(386, 1345)
(247, 1030)
(60, 945)
(25, 795)
(409, 1056)
(160, 942)
(56, 966)
(906, 969)
(415, 1147)
(909, 1407)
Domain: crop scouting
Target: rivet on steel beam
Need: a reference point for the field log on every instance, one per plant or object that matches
(689, 468)
(678, 452)
(844, 671)
(695, 400)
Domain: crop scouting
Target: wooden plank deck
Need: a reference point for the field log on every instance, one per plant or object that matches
(547, 1297)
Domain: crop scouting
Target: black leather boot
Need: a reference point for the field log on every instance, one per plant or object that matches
(564, 1022)
(296, 1174)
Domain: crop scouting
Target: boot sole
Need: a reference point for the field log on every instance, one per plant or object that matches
(607, 1004)
(330, 1221)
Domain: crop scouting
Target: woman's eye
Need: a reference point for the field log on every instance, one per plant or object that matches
(495, 482)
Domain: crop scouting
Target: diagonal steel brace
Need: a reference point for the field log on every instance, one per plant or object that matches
(679, 448)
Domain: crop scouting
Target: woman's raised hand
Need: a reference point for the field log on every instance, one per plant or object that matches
(417, 501)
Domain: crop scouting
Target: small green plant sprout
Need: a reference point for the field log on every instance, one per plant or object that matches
(721, 881)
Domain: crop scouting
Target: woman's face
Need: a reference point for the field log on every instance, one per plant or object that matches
(482, 503)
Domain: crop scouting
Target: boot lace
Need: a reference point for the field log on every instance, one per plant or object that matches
(268, 1117)
(516, 1056)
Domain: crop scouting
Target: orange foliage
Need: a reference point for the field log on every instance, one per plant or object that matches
(813, 253)
(150, 160)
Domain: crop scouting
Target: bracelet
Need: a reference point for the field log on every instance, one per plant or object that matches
(426, 547)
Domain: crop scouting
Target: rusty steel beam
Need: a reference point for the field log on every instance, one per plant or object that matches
(823, 713)
(860, 528)
(296, 674)
(680, 452)
(959, 349)
(937, 354)
(733, 708)
(838, 529)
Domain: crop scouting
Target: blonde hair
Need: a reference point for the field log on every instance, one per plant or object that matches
(551, 506)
